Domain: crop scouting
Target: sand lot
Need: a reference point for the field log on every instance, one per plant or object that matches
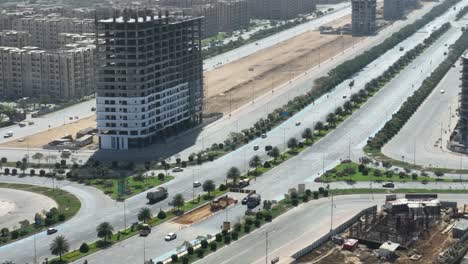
(43, 138)
(237, 83)
(16, 205)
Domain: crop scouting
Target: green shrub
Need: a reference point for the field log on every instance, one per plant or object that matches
(219, 237)
(213, 246)
(174, 257)
(234, 235)
(200, 253)
(84, 248)
(190, 250)
(316, 195)
(227, 239)
(204, 243)
(162, 215)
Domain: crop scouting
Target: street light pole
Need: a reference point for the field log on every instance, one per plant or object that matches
(266, 247)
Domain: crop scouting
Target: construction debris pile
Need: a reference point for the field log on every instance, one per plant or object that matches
(418, 228)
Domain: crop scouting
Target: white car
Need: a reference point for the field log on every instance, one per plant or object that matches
(264, 135)
(196, 184)
(170, 236)
(177, 169)
(442, 91)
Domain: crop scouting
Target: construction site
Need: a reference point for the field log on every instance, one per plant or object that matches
(206, 210)
(418, 228)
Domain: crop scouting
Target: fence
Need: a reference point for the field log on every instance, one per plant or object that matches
(333, 232)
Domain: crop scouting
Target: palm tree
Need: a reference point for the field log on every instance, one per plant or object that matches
(233, 173)
(38, 156)
(144, 214)
(254, 162)
(331, 119)
(339, 111)
(307, 134)
(59, 246)
(274, 152)
(104, 230)
(292, 143)
(348, 106)
(209, 186)
(319, 126)
(178, 201)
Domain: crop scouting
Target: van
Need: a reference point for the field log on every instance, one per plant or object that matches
(8, 134)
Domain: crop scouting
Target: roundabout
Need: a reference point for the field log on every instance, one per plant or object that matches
(17, 205)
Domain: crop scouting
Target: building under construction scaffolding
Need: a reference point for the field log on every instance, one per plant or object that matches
(401, 221)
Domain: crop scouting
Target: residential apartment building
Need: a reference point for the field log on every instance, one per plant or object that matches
(209, 12)
(280, 9)
(149, 81)
(45, 30)
(7, 18)
(394, 9)
(70, 38)
(233, 15)
(363, 16)
(32, 72)
(18, 39)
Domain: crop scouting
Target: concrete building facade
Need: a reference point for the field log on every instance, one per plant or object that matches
(32, 72)
(233, 15)
(45, 30)
(209, 13)
(363, 17)
(394, 9)
(12, 38)
(149, 81)
(280, 9)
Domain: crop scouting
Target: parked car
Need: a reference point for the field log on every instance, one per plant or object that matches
(268, 147)
(196, 184)
(93, 109)
(145, 230)
(170, 236)
(21, 124)
(177, 169)
(256, 147)
(264, 135)
(389, 185)
(244, 201)
(51, 231)
(298, 123)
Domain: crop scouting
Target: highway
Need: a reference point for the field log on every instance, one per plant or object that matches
(303, 168)
(435, 119)
(244, 117)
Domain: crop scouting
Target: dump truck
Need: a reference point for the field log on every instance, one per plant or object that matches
(145, 230)
(219, 203)
(158, 195)
(253, 200)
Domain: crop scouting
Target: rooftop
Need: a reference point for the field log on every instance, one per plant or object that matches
(390, 246)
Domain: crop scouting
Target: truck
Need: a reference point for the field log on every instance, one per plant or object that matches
(253, 200)
(158, 195)
(145, 230)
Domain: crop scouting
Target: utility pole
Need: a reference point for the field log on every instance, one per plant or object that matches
(35, 253)
(125, 216)
(331, 215)
(266, 247)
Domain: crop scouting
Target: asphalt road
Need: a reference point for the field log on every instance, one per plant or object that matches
(298, 228)
(302, 168)
(419, 142)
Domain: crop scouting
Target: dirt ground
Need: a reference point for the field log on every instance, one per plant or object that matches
(428, 246)
(197, 215)
(43, 138)
(237, 83)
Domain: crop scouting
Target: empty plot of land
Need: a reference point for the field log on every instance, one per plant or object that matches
(16, 206)
(237, 83)
(43, 138)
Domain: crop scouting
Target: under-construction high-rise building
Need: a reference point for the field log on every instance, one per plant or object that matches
(363, 17)
(149, 81)
(463, 123)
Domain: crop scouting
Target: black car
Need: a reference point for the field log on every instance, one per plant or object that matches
(389, 185)
(268, 147)
(244, 201)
